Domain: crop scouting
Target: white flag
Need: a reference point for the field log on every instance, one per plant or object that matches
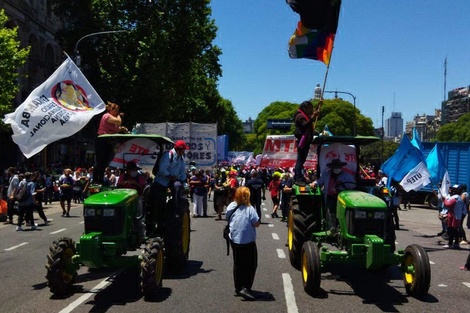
(417, 178)
(57, 109)
(445, 185)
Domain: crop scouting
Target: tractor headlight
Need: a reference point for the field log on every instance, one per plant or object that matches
(109, 212)
(359, 214)
(90, 212)
(379, 215)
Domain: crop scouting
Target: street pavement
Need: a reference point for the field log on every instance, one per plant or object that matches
(207, 285)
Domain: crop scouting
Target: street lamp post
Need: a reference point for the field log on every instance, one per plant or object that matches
(354, 103)
(77, 55)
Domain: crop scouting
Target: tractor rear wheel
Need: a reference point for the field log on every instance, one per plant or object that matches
(311, 275)
(61, 272)
(416, 271)
(177, 237)
(151, 267)
(299, 224)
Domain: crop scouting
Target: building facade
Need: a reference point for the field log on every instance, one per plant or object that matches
(457, 104)
(394, 125)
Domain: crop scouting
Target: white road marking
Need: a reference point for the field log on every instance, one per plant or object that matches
(17, 246)
(289, 293)
(396, 243)
(281, 254)
(81, 222)
(466, 284)
(264, 209)
(441, 285)
(267, 215)
(431, 262)
(102, 285)
(275, 236)
(58, 231)
(271, 225)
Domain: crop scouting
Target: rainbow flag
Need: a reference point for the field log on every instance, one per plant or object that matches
(316, 30)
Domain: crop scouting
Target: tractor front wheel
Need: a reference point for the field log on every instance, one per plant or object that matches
(151, 267)
(177, 237)
(299, 225)
(61, 272)
(311, 274)
(416, 271)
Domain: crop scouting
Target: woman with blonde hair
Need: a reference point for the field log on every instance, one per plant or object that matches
(243, 220)
(110, 123)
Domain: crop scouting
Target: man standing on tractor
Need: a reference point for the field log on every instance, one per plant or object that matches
(333, 180)
(171, 174)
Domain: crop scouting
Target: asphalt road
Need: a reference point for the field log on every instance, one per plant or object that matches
(207, 285)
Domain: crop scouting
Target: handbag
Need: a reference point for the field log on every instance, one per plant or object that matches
(227, 231)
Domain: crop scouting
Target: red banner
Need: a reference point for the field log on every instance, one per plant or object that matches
(280, 151)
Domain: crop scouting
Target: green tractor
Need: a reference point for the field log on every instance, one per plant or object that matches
(364, 234)
(114, 226)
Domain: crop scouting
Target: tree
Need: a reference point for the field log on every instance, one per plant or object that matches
(165, 68)
(335, 113)
(456, 132)
(12, 57)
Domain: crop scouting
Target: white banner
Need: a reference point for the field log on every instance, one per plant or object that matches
(201, 139)
(140, 150)
(417, 178)
(57, 109)
(280, 151)
(339, 151)
(445, 185)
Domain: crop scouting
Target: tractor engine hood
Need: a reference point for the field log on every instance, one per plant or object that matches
(352, 199)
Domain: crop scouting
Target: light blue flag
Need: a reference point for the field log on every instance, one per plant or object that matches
(326, 131)
(416, 141)
(402, 161)
(436, 166)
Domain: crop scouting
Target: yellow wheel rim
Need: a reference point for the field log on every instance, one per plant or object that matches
(68, 253)
(409, 270)
(304, 267)
(290, 224)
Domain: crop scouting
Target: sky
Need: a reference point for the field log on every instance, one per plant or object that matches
(386, 53)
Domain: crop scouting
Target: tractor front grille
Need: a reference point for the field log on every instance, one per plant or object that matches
(369, 225)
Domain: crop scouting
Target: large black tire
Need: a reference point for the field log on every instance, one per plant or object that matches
(61, 272)
(432, 201)
(311, 274)
(300, 226)
(151, 268)
(177, 236)
(416, 271)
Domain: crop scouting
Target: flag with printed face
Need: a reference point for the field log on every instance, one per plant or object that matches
(58, 108)
(316, 30)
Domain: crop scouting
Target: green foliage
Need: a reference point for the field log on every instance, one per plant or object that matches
(12, 57)
(456, 132)
(165, 68)
(372, 154)
(336, 113)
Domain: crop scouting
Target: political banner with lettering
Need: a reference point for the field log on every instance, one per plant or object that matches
(142, 151)
(239, 157)
(58, 108)
(417, 178)
(281, 151)
(201, 139)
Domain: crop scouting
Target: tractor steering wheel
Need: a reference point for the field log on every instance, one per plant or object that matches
(344, 186)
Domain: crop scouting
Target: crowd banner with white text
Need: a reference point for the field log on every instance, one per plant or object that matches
(201, 139)
(281, 151)
(142, 151)
(58, 108)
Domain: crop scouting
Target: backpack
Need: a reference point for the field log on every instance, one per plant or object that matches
(21, 193)
(156, 167)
